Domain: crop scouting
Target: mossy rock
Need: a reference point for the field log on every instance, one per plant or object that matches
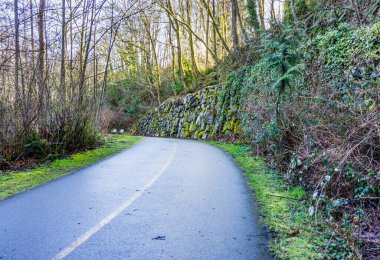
(186, 126)
(192, 127)
(197, 115)
(237, 128)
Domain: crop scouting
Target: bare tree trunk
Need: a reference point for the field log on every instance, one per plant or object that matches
(17, 55)
(355, 7)
(172, 48)
(224, 43)
(242, 28)
(151, 38)
(177, 21)
(86, 54)
(191, 40)
(95, 66)
(32, 79)
(179, 54)
(207, 34)
(262, 14)
(41, 57)
(235, 37)
(71, 51)
(63, 51)
(214, 29)
(272, 12)
(176, 29)
(292, 7)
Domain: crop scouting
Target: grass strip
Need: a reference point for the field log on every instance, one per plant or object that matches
(15, 182)
(294, 234)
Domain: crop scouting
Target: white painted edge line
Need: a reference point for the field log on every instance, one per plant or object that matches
(83, 238)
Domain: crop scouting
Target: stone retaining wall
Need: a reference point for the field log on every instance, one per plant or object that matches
(197, 115)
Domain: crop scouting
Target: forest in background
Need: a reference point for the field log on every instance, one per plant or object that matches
(70, 69)
(306, 73)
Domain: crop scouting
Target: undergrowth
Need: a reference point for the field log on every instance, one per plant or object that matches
(311, 105)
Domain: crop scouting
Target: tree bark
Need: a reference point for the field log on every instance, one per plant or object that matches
(63, 51)
(272, 13)
(17, 56)
(176, 28)
(171, 47)
(262, 14)
(235, 37)
(242, 28)
(41, 57)
(292, 7)
(355, 7)
(191, 40)
(224, 43)
(214, 29)
(207, 34)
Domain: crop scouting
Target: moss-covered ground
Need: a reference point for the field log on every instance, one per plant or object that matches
(14, 182)
(293, 232)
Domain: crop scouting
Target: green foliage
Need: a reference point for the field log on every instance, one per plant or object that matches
(34, 145)
(230, 95)
(323, 14)
(252, 14)
(346, 44)
(273, 81)
(189, 74)
(298, 193)
(176, 87)
(126, 99)
(311, 103)
(303, 8)
(281, 55)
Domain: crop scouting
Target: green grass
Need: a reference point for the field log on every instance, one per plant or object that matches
(294, 234)
(14, 182)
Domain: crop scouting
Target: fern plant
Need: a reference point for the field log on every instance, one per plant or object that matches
(280, 52)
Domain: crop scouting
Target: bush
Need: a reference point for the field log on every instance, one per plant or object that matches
(322, 128)
(34, 145)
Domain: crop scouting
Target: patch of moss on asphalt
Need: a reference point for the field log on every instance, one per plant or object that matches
(15, 182)
(293, 232)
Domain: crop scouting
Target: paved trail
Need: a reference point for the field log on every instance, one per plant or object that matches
(161, 199)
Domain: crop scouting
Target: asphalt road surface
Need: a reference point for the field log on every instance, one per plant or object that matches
(161, 199)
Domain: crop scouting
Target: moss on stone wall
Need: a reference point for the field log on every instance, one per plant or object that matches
(197, 115)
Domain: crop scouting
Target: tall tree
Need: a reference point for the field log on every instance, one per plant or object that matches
(215, 25)
(191, 40)
(207, 34)
(293, 9)
(262, 13)
(63, 51)
(41, 56)
(17, 55)
(234, 14)
(252, 16)
(175, 25)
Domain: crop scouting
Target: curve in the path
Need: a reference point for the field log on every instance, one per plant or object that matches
(160, 199)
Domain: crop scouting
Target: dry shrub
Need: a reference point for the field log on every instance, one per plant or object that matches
(114, 119)
(26, 138)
